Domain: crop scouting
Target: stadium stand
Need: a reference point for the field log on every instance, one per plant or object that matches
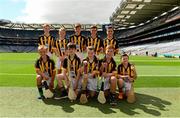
(138, 24)
(162, 49)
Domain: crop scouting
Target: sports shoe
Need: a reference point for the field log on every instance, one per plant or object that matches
(120, 96)
(41, 97)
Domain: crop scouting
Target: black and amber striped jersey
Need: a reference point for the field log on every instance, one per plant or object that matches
(111, 42)
(47, 41)
(61, 46)
(92, 66)
(109, 66)
(45, 67)
(80, 42)
(96, 43)
(129, 70)
(72, 64)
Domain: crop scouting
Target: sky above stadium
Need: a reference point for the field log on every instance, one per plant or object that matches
(58, 11)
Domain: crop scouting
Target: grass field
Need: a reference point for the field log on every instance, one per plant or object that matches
(157, 90)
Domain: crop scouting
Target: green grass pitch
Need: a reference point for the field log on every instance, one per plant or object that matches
(157, 88)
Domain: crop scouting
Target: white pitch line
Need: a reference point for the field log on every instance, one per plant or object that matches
(158, 75)
(17, 74)
(25, 74)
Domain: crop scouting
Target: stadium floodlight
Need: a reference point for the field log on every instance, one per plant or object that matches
(128, 16)
(124, 12)
(133, 12)
(116, 20)
(123, 20)
(163, 14)
(148, 21)
(140, 6)
(141, 24)
(126, 23)
(120, 16)
(147, 0)
(132, 26)
(174, 8)
(137, 0)
(155, 18)
(131, 6)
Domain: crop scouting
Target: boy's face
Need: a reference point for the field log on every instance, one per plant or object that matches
(42, 52)
(62, 33)
(78, 29)
(110, 32)
(94, 31)
(125, 59)
(71, 51)
(110, 52)
(46, 28)
(90, 53)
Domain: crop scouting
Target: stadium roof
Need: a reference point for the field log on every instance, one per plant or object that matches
(134, 12)
(25, 26)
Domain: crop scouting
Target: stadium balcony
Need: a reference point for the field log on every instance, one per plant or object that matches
(164, 28)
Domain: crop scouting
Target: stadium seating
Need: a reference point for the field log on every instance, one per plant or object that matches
(168, 48)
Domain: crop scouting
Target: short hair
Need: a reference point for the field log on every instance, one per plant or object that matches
(94, 26)
(46, 24)
(109, 27)
(77, 25)
(42, 47)
(62, 29)
(109, 47)
(124, 55)
(71, 45)
(90, 48)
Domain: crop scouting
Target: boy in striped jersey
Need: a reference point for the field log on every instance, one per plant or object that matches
(79, 40)
(47, 40)
(108, 70)
(90, 73)
(70, 70)
(110, 39)
(45, 69)
(94, 40)
(126, 76)
(60, 48)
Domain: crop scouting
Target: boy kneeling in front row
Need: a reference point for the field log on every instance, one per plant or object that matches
(126, 76)
(89, 72)
(45, 69)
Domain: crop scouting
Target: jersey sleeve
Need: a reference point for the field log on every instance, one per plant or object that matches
(36, 65)
(39, 40)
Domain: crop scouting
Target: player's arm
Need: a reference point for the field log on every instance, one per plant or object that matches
(134, 77)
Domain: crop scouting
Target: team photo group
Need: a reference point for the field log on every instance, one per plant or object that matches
(85, 67)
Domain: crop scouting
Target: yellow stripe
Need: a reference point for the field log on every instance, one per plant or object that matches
(51, 68)
(41, 41)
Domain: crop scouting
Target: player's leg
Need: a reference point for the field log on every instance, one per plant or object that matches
(60, 78)
(106, 87)
(112, 95)
(39, 86)
(120, 83)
